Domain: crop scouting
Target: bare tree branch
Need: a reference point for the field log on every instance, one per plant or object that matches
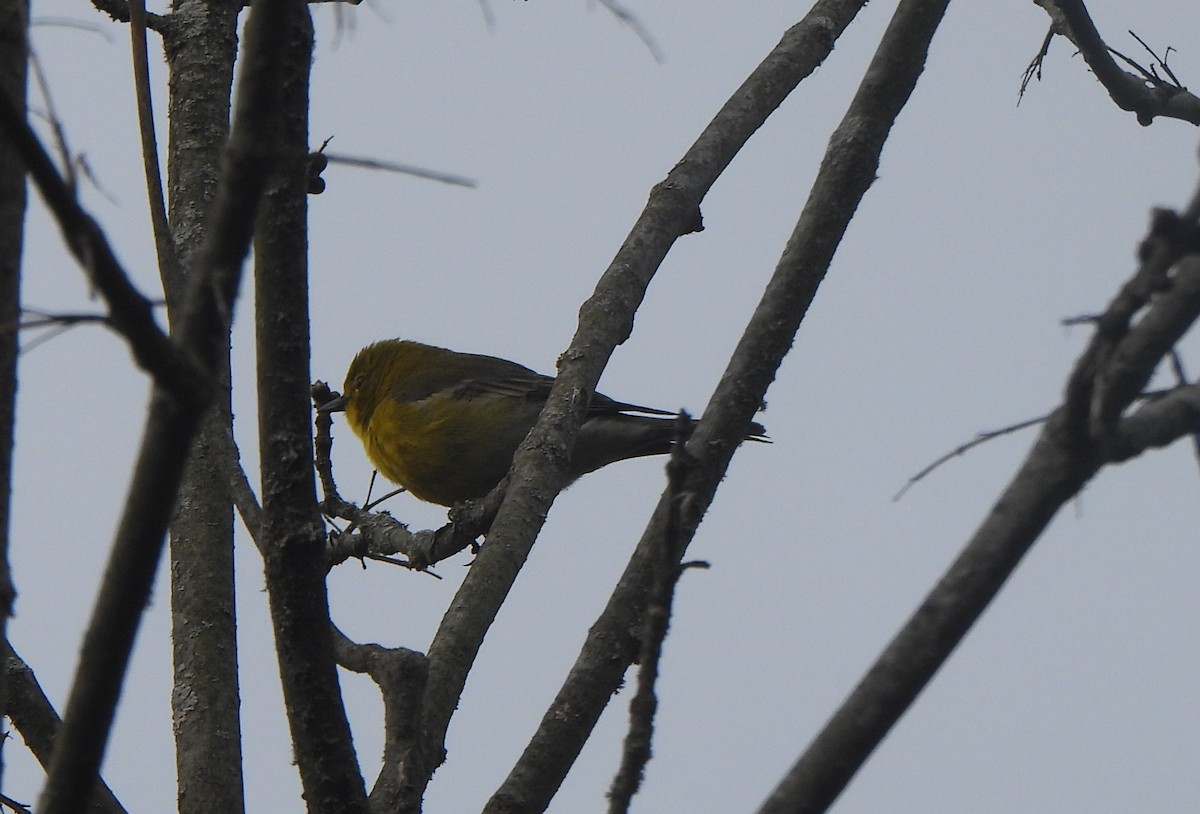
(241, 492)
(962, 449)
(174, 414)
(164, 244)
(630, 19)
(1181, 380)
(14, 59)
(1077, 439)
(849, 168)
(200, 46)
(1142, 95)
(1157, 423)
(130, 313)
(403, 169)
(1034, 69)
(118, 10)
(665, 571)
(400, 674)
(34, 717)
(292, 533)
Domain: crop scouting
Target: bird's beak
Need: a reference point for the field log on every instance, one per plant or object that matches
(337, 405)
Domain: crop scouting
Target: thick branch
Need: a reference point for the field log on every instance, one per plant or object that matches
(170, 426)
(14, 61)
(292, 533)
(1156, 424)
(606, 320)
(1076, 440)
(201, 48)
(846, 173)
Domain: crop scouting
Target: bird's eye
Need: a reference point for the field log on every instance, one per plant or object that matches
(359, 381)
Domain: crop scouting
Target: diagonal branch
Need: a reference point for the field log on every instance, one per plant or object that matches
(34, 717)
(606, 320)
(847, 171)
(1076, 440)
(1147, 99)
(130, 313)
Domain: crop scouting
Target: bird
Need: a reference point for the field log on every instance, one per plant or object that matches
(445, 425)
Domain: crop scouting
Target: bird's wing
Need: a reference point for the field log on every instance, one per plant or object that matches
(525, 384)
(522, 384)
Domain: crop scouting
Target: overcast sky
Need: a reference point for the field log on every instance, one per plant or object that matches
(940, 318)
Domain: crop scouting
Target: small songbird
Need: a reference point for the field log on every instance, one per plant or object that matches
(445, 425)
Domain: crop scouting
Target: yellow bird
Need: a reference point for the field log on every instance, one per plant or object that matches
(445, 425)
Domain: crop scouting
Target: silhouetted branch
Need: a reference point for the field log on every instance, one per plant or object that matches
(980, 438)
(241, 492)
(404, 169)
(665, 571)
(1079, 437)
(1034, 69)
(849, 168)
(1148, 96)
(400, 674)
(630, 19)
(164, 243)
(118, 10)
(176, 407)
(292, 534)
(34, 717)
(130, 313)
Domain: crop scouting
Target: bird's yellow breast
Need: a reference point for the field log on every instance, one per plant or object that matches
(444, 449)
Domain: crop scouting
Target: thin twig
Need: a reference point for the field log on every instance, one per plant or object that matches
(164, 243)
(404, 169)
(8, 802)
(666, 571)
(241, 492)
(981, 438)
(1160, 60)
(41, 319)
(332, 504)
(56, 126)
(130, 312)
(70, 22)
(630, 19)
(1034, 69)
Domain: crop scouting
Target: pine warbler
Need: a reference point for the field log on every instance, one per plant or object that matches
(445, 425)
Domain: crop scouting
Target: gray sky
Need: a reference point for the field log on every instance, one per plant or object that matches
(940, 318)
